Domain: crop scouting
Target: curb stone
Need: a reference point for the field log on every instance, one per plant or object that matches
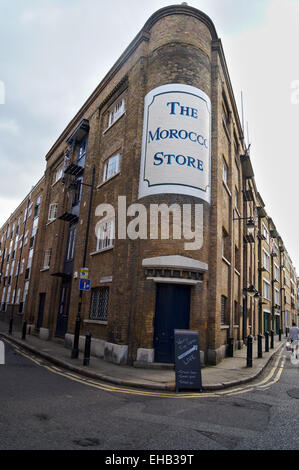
(131, 383)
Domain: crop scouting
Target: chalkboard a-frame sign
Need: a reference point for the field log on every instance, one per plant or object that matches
(187, 360)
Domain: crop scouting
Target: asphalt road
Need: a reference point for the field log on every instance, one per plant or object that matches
(44, 408)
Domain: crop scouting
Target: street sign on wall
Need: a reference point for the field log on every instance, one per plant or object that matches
(187, 360)
(84, 272)
(84, 284)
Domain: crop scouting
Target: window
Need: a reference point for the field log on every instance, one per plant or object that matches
(111, 167)
(277, 297)
(34, 227)
(37, 207)
(27, 273)
(225, 245)
(71, 243)
(223, 309)
(26, 237)
(105, 235)
(225, 111)
(267, 290)
(276, 273)
(22, 266)
(58, 173)
(47, 259)
(225, 172)
(99, 303)
(116, 111)
(30, 209)
(266, 260)
(82, 147)
(31, 243)
(266, 233)
(52, 212)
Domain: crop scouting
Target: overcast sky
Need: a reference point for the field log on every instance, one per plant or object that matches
(53, 54)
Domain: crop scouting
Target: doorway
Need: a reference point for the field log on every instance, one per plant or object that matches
(41, 306)
(63, 312)
(172, 312)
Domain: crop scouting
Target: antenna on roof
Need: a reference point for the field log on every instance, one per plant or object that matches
(242, 107)
(248, 140)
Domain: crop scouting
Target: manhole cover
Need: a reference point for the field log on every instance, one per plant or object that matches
(294, 393)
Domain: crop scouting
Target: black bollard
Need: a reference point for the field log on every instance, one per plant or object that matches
(24, 330)
(260, 346)
(266, 341)
(75, 350)
(280, 334)
(230, 352)
(87, 350)
(272, 339)
(10, 326)
(287, 332)
(249, 351)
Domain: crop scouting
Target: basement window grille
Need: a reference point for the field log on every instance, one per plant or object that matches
(99, 304)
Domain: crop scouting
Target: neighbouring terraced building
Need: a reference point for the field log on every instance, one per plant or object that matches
(161, 128)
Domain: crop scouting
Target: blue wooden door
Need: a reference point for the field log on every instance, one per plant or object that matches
(172, 312)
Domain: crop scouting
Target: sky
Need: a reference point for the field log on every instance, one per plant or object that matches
(53, 54)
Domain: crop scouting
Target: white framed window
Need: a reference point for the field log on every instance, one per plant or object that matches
(236, 198)
(266, 233)
(105, 235)
(26, 237)
(22, 266)
(225, 172)
(116, 111)
(47, 259)
(276, 273)
(266, 260)
(266, 290)
(52, 215)
(111, 167)
(8, 294)
(30, 209)
(58, 173)
(26, 289)
(277, 297)
(34, 227)
(18, 296)
(71, 243)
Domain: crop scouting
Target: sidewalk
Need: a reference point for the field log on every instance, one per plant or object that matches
(230, 372)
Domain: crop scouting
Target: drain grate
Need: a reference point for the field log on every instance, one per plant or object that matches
(294, 393)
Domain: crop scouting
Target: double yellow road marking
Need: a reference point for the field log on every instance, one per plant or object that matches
(265, 383)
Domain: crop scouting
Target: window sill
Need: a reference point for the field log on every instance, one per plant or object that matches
(107, 181)
(50, 222)
(226, 261)
(227, 188)
(44, 270)
(95, 322)
(224, 327)
(101, 251)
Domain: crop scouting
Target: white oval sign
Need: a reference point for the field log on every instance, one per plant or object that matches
(176, 147)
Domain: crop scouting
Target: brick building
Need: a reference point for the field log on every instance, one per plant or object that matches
(240, 282)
